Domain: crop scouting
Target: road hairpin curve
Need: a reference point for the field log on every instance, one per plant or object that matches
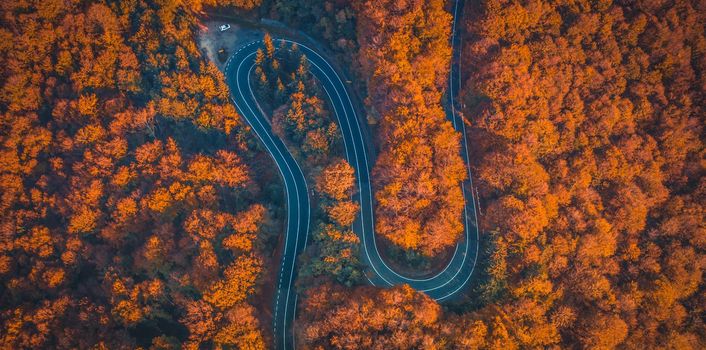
(441, 286)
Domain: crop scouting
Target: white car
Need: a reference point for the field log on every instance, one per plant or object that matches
(224, 27)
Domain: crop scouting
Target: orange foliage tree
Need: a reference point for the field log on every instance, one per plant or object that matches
(370, 318)
(404, 54)
(126, 189)
(587, 119)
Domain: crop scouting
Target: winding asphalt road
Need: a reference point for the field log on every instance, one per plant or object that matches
(441, 286)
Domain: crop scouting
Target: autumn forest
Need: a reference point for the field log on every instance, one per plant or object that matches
(139, 209)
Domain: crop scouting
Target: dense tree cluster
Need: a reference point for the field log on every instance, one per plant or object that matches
(368, 317)
(127, 215)
(395, 318)
(130, 216)
(303, 120)
(299, 114)
(331, 21)
(404, 54)
(588, 119)
(336, 249)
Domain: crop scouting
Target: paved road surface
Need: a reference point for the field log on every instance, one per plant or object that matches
(441, 286)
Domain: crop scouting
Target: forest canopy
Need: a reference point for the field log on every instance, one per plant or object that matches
(586, 120)
(588, 123)
(129, 214)
(405, 55)
(136, 210)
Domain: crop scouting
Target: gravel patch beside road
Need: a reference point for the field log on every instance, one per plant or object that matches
(211, 39)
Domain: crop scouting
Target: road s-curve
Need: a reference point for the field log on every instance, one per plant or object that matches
(446, 283)
(238, 69)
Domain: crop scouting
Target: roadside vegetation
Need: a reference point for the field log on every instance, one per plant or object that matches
(130, 216)
(302, 118)
(137, 211)
(587, 120)
(418, 173)
(331, 22)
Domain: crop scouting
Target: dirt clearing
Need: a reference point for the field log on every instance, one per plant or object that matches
(211, 39)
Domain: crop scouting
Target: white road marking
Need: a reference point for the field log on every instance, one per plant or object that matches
(265, 136)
